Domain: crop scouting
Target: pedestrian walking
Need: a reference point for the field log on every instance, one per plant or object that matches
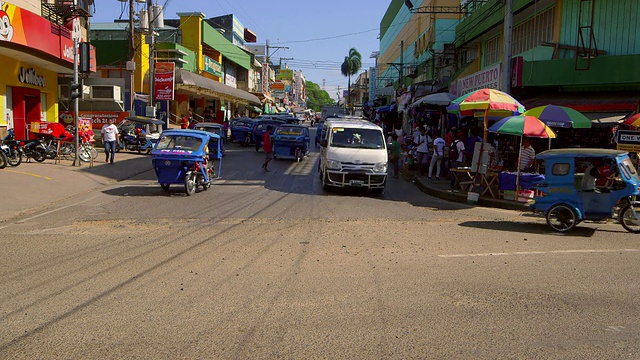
(266, 146)
(438, 154)
(109, 135)
(394, 154)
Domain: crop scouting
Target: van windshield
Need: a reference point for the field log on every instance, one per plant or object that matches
(357, 138)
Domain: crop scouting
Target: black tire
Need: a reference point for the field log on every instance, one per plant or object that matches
(190, 183)
(39, 155)
(206, 186)
(3, 160)
(628, 219)
(15, 158)
(298, 154)
(164, 186)
(257, 148)
(561, 218)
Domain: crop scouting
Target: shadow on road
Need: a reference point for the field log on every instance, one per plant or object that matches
(529, 228)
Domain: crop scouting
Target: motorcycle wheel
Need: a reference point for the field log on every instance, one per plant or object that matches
(190, 183)
(84, 154)
(15, 158)
(164, 186)
(628, 219)
(39, 155)
(3, 160)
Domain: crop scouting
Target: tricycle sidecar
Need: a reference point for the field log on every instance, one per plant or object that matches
(213, 128)
(588, 184)
(241, 131)
(291, 141)
(183, 157)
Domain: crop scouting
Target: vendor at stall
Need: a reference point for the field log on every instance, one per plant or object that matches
(527, 156)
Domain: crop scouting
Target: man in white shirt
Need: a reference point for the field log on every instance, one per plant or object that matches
(422, 152)
(109, 134)
(458, 161)
(438, 153)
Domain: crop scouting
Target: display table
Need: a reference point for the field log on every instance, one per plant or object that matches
(463, 178)
(489, 182)
(507, 180)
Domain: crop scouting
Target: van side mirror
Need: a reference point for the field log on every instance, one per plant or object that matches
(323, 143)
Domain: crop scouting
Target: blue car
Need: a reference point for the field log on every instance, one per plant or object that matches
(241, 131)
(291, 141)
(261, 127)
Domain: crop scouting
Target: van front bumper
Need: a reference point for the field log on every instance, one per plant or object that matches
(359, 179)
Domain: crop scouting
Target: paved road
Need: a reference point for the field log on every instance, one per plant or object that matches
(268, 265)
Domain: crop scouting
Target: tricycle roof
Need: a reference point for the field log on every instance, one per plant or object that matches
(145, 120)
(580, 152)
(188, 132)
(208, 125)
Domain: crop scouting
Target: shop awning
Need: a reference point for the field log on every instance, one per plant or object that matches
(605, 119)
(186, 79)
(387, 108)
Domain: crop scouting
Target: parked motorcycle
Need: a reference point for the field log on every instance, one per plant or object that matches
(31, 149)
(12, 151)
(3, 160)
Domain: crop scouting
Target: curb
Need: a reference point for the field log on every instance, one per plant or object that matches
(462, 198)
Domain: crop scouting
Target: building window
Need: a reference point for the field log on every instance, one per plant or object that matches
(533, 32)
(492, 51)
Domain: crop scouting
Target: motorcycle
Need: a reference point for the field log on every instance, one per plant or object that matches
(31, 149)
(3, 160)
(12, 151)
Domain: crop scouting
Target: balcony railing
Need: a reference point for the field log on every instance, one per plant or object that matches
(60, 11)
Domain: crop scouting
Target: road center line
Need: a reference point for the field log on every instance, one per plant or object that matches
(541, 252)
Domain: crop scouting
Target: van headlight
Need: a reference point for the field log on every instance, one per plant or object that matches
(334, 165)
(380, 167)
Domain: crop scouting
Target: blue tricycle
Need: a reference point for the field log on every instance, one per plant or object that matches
(184, 157)
(588, 184)
(291, 141)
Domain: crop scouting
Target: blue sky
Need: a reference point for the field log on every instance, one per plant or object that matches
(318, 34)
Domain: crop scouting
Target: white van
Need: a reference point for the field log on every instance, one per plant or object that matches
(353, 153)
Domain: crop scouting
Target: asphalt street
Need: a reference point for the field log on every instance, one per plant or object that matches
(269, 265)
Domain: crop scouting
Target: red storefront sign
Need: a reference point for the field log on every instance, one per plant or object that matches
(25, 28)
(164, 81)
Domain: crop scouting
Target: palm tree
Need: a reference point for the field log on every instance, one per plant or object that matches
(351, 65)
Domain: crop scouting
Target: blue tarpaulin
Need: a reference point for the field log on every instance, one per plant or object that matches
(386, 108)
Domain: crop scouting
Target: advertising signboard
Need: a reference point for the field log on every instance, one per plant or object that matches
(164, 81)
(488, 78)
(277, 86)
(98, 118)
(285, 74)
(212, 67)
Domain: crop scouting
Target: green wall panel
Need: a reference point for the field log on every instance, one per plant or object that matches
(605, 71)
(615, 25)
(111, 52)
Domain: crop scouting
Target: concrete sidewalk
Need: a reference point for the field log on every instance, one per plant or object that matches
(441, 189)
(32, 185)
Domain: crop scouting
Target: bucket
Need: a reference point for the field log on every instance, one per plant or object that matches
(472, 198)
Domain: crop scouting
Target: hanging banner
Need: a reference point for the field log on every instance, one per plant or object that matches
(164, 81)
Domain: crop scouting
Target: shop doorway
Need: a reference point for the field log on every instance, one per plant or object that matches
(26, 109)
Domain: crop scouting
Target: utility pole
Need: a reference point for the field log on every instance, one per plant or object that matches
(132, 51)
(151, 18)
(508, 30)
(76, 103)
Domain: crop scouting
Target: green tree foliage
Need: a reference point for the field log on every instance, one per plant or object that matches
(351, 65)
(316, 97)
